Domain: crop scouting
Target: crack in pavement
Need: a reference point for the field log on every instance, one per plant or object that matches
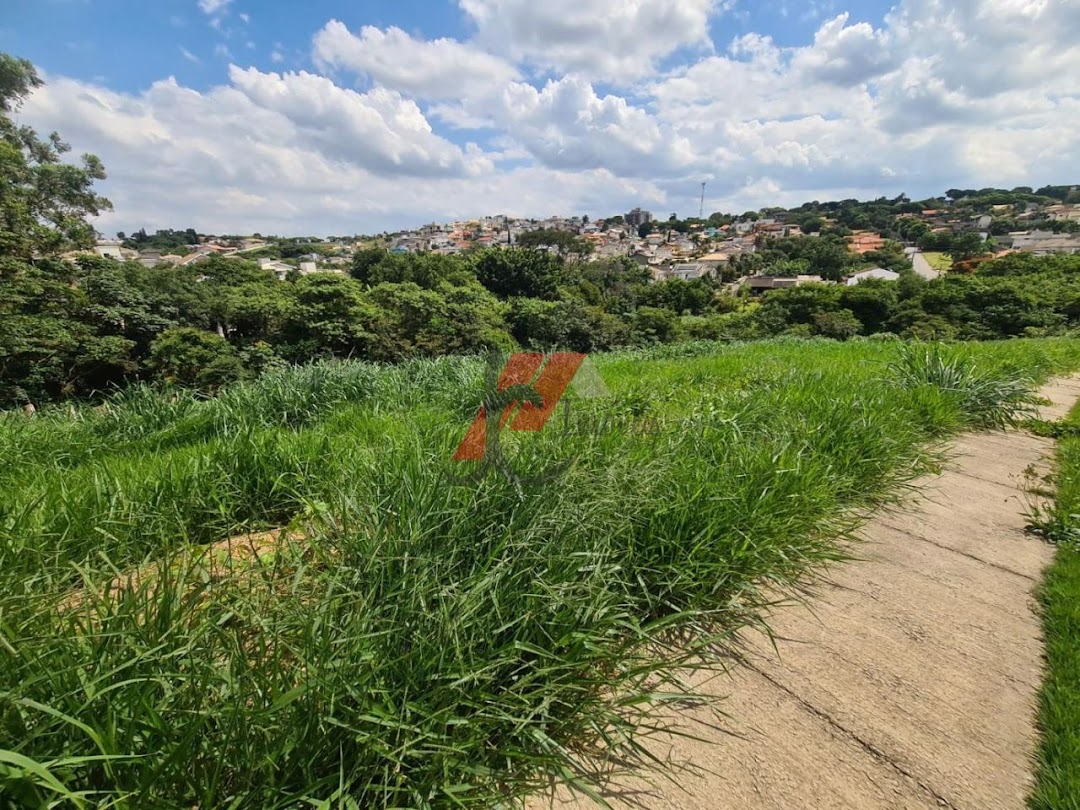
(867, 746)
(919, 537)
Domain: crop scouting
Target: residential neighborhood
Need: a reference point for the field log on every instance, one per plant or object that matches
(671, 249)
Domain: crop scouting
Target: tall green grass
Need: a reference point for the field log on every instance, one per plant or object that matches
(420, 642)
(1058, 772)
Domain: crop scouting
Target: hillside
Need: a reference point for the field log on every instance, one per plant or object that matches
(419, 636)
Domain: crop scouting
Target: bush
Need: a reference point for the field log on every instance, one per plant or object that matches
(987, 398)
(194, 358)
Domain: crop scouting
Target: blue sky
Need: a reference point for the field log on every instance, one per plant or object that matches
(119, 42)
(331, 116)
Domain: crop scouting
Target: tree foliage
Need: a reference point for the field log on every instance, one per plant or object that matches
(44, 201)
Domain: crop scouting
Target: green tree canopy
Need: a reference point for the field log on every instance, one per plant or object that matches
(192, 357)
(44, 201)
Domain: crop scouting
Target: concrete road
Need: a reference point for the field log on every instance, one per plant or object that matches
(923, 267)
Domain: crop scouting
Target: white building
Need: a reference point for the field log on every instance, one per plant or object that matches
(877, 272)
(109, 248)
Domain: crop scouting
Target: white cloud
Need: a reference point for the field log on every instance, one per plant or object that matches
(847, 54)
(378, 130)
(566, 125)
(238, 159)
(244, 18)
(189, 55)
(212, 7)
(617, 42)
(441, 68)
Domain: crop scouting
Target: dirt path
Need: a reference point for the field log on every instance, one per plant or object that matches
(911, 681)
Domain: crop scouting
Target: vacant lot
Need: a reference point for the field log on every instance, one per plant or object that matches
(941, 262)
(418, 638)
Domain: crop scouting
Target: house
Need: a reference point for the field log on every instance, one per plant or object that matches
(714, 261)
(861, 242)
(877, 272)
(109, 248)
(1063, 213)
(192, 258)
(278, 268)
(760, 284)
(1043, 243)
(687, 271)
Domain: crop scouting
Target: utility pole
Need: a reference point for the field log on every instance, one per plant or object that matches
(701, 210)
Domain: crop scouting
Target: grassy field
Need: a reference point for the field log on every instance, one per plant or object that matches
(941, 262)
(1058, 784)
(414, 639)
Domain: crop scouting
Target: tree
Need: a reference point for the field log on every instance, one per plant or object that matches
(194, 358)
(519, 272)
(964, 246)
(330, 314)
(50, 344)
(652, 325)
(872, 301)
(449, 319)
(44, 202)
(789, 268)
(116, 303)
(567, 325)
(840, 324)
(682, 297)
(564, 242)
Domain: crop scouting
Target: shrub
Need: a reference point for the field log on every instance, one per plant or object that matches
(986, 398)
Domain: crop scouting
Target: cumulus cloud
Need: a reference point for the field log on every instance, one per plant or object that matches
(617, 42)
(211, 7)
(847, 54)
(561, 107)
(379, 130)
(567, 125)
(242, 158)
(441, 68)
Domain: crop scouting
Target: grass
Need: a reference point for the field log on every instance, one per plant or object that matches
(941, 262)
(1058, 776)
(413, 641)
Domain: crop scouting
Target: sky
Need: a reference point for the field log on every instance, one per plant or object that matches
(330, 117)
